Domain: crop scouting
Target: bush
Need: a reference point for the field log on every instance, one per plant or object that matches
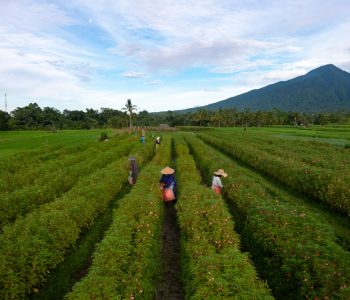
(103, 137)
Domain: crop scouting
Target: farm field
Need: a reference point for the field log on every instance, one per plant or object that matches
(71, 227)
(17, 141)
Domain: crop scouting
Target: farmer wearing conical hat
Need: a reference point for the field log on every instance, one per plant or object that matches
(216, 183)
(157, 142)
(168, 185)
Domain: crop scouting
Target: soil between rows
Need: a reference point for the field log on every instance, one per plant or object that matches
(170, 286)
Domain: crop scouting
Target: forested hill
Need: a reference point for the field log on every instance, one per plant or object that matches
(326, 88)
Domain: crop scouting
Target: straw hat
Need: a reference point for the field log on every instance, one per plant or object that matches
(158, 137)
(220, 172)
(167, 171)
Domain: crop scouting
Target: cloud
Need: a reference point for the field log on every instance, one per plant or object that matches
(133, 74)
(222, 35)
(81, 53)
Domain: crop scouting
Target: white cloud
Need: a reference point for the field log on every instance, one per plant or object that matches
(43, 58)
(133, 74)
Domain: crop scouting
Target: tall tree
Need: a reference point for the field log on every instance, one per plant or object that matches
(27, 117)
(129, 108)
(4, 118)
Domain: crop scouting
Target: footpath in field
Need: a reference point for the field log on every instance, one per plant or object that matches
(170, 286)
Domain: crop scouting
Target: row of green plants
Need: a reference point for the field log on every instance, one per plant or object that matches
(340, 224)
(312, 153)
(193, 128)
(22, 160)
(34, 245)
(330, 187)
(293, 248)
(126, 262)
(214, 266)
(55, 184)
(42, 171)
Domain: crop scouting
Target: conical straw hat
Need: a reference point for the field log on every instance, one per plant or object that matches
(220, 172)
(167, 171)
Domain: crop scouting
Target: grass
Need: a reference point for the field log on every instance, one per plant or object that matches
(18, 141)
(325, 134)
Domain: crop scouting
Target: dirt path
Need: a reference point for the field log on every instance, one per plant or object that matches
(170, 287)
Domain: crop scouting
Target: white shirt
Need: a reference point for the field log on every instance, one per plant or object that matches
(217, 181)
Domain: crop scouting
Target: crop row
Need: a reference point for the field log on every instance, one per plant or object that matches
(33, 173)
(127, 260)
(294, 249)
(312, 153)
(25, 159)
(21, 201)
(35, 244)
(214, 267)
(328, 187)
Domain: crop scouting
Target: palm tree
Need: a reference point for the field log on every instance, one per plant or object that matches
(200, 116)
(129, 108)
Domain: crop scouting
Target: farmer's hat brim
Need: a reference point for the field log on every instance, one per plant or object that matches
(220, 172)
(167, 171)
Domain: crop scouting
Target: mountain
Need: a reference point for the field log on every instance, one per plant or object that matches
(326, 88)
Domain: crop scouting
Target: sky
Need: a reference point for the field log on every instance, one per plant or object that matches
(162, 54)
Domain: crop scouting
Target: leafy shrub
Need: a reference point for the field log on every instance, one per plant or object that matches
(103, 137)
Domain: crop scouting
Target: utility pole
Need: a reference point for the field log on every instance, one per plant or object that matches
(5, 102)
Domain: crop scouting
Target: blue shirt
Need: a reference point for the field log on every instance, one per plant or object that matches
(168, 180)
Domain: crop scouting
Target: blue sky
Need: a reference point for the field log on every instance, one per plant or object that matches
(162, 54)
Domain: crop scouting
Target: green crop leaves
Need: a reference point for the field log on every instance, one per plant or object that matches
(296, 251)
(328, 184)
(127, 260)
(214, 267)
(33, 245)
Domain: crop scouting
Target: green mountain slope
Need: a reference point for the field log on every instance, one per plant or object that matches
(326, 88)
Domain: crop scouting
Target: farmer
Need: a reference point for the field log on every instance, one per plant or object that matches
(133, 170)
(217, 184)
(168, 185)
(142, 139)
(157, 142)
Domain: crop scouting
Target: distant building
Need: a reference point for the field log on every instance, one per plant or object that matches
(164, 126)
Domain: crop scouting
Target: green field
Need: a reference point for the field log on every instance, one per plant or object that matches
(16, 141)
(339, 135)
(72, 227)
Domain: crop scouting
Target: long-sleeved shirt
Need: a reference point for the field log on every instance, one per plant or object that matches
(133, 168)
(168, 180)
(217, 181)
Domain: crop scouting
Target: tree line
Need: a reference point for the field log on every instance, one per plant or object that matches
(34, 117)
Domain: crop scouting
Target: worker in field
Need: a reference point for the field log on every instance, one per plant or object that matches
(217, 185)
(157, 142)
(142, 139)
(133, 170)
(168, 186)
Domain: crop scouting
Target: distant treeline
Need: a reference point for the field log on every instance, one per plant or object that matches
(33, 116)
